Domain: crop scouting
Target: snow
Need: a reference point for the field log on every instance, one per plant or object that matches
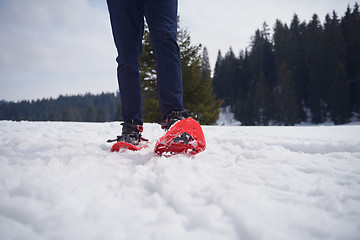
(58, 180)
(227, 118)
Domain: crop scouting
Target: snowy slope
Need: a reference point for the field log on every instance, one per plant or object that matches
(59, 181)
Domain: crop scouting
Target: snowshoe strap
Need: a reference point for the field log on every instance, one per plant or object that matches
(144, 139)
(119, 139)
(114, 140)
(173, 117)
(130, 133)
(132, 127)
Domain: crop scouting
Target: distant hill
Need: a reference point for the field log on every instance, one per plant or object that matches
(80, 108)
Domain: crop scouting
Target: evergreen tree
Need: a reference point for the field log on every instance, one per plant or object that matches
(208, 108)
(314, 40)
(226, 82)
(218, 75)
(357, 95)
(69, 115)
(261, 97)
(229, 68)
(197, 93)
(90, 114)
(64, 108)
(199, 98)
(286, 103)
(297, 65)
(316, 57)
(285, 97)
(118, 114)
(281, 44)
(268, 57)
(51, 116)
(350, 25)
(206, 69)
(335, 55)
(191, 68)
(340, 101)
(100, 115)
(241, 107)
(262, 79)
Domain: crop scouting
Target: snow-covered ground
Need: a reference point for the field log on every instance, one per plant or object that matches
(59, 181)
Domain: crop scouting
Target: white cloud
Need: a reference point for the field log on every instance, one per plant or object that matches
(49, 48)
(221, 24)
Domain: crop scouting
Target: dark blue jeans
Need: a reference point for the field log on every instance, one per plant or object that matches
(127, 22)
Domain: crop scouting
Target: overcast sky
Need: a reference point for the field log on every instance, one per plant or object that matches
(49, 47)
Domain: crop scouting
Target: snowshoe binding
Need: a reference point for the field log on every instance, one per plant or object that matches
(130, 139)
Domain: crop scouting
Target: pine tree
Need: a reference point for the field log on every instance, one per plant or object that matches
(286, 104)
(262, 79)
(350, 25)
(90, 114)
(268, 57)
(197, 86)
(356, 61)
(335, 59)
(218, 77)
(241, 108)
(357, 96)
(191, 68)
(206, 69)
(64, 108)
(207, 110)
(297, 65)
(261, 97)
(100, 115)
(199, 98)
(314, 44)
(340, 107)
(285, 97)
(281, 40)
(118, 113)
(51, 116)
(225, 81)
(69, 115)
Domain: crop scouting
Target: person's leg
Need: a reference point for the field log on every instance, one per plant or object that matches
(161, 16)
(127, 22)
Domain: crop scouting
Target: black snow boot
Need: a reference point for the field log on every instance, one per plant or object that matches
(173, 117)
(131, 133)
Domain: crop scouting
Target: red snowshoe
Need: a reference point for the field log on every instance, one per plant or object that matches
(185, 136)
(125, 145)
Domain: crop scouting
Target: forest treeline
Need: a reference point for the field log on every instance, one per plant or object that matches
(303, 72)
(80, 108)
(199, 97)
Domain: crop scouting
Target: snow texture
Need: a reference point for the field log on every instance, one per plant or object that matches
(60, 181)
(227, 118)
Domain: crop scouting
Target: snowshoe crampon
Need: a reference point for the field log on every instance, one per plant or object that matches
(185, 136)
(124, 145)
